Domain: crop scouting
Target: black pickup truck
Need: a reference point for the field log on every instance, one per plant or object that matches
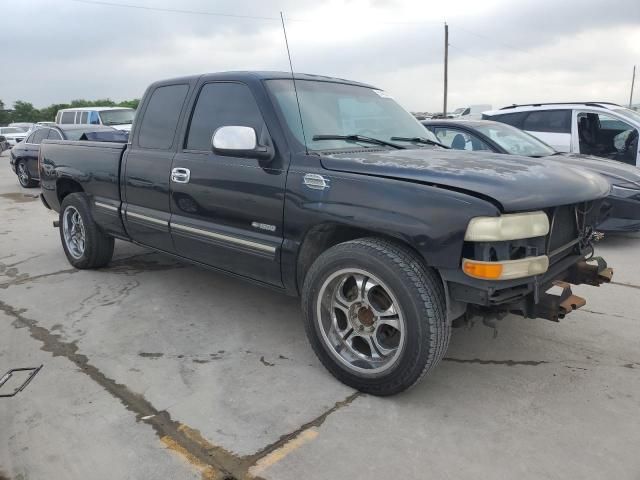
(340, 196)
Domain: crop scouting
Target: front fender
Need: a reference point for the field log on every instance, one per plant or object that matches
(431, 220)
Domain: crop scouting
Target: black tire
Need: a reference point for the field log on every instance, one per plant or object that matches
(24, 177)
(98, 246)
(421, 297)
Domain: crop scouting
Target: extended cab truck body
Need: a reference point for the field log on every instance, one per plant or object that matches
(346, 202)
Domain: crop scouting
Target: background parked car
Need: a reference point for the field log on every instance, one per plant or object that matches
(4, 145)
(24, 157)
(488, 136)
(593, 128)
(120, 118)
(471, 112)
(24, 126)
(13, 135)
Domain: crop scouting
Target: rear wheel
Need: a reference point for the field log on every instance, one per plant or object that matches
(375, 315)
(85, 245)
(24, 177)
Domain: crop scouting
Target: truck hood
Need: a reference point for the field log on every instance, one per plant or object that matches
(617, 173)
(515, 183)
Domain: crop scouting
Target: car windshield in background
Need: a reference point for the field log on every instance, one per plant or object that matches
(117, 117)
(515, 141)
(330, 109)
(10, 130)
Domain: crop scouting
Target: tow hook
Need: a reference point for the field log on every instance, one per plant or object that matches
(593, 272)
(555, 306)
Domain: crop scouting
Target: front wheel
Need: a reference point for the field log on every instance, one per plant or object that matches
(85, 245)
(375, 315)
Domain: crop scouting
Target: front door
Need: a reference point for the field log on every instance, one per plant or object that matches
(605, 135)
(227, 211)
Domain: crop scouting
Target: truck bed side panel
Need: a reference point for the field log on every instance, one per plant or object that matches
(92, 167)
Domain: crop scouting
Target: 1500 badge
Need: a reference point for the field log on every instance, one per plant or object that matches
(263, 226)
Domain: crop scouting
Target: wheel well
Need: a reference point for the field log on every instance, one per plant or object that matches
(65, 186)
(322, 237)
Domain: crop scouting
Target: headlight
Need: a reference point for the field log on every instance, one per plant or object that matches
(513, 226)
(623, 192)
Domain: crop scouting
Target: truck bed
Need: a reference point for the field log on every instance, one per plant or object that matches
(95, 165)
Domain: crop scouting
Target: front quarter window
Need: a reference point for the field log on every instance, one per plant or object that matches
(342, 109)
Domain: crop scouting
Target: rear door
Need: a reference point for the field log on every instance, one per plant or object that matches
(551, 126)
(228, 214)
(147, 167)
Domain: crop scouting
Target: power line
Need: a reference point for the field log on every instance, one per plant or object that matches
(171, 10)
(231, 15)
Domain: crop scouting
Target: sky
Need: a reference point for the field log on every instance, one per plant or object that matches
(501, 51)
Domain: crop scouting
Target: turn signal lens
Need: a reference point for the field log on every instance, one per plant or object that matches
(490, 271)
(506, 270)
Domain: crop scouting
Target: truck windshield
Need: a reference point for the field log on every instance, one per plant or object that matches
(514, 141)
(117, 117)
(336, 109)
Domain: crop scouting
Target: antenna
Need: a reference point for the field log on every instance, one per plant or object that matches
(295, 89)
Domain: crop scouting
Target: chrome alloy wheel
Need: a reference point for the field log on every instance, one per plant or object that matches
(23, 174)
(73, 231)
(360, 321)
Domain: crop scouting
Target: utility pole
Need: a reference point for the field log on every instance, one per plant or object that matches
(446, 67)
(633, 80)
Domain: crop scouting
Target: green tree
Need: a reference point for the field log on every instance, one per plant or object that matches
(24, 112)
(130, 103)
(5, 115)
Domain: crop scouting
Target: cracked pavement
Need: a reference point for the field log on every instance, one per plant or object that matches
(158, 369)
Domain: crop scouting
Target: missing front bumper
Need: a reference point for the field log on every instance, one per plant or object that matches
(549, 296)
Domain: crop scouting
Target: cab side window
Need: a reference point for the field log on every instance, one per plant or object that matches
(552, 121)
(158, 125)
(513, 119)
(94, 118)
(54, 135)
(221, 104)
(460, 140)
(39, 135)
(67, 117)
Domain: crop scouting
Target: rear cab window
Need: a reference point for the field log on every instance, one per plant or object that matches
(160, 120)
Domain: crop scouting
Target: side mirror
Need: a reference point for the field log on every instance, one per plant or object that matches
(239, 141)
(3, 138)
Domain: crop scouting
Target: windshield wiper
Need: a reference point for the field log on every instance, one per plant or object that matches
(425, 141)
(358, 138)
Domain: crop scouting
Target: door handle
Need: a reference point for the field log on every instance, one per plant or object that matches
(180, 175)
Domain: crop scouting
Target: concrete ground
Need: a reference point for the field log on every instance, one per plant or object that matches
(157, 369)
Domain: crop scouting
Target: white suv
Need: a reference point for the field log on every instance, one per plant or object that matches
(591, 128)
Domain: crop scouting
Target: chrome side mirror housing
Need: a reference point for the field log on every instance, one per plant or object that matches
(239, 141)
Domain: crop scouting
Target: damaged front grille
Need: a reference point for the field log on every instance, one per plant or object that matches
(563, 230)
(571, 229)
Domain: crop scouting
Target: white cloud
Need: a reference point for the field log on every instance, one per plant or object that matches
(502, 51)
